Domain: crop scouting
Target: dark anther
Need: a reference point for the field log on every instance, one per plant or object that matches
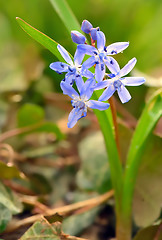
(77, 75)
(62, 65)
(63, 80)
(97, 62)
(70, 69)
(98, 29)
(111, 62)
(73, 80)
(105, 49)
(113, 52)
(95, 53)
(102, 67)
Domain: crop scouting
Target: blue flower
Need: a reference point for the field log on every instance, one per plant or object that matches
(74, 71)
(88, 28)
(80, 101)
(77, 37)
(100, 55)
(118, 82)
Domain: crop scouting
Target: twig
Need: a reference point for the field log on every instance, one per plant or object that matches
(61, 210)
(18, 131)
(75, 238)
(59, 163)
(10, 150)
(17, 187)
(32, 200)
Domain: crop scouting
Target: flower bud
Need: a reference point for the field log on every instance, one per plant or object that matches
(86, 26)
(77, 37)
(94, 33)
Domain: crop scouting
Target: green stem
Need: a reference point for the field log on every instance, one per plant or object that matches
(105, 121)
(123, 228)
(114, 116)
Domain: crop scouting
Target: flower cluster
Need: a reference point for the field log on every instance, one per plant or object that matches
(79, 75)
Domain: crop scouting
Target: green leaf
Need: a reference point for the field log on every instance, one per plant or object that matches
(30, 114)
(9, 200)
(149, 233)
(148, 194)
(75, 224)
(5, 217)
(149, 118)
(45, 231)
(66, 15)
(9, 172)
(50, 127)
(40, 37)
(94, 173)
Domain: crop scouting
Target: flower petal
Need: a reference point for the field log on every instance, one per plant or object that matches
(98, 105)
(102, 85)
(128, 67)
(79, 82)
(64, 54)
(89, 63)
(74, 116)
(100, 40)
(124, 95)
(87, 49)
(94, 33)
(116, 47)
(68, 90)
(78, 57)
(86, 73)
(99, 72)
(86, 26)
(77, 37)
(112, 65)
(69, 78)
(107, 93)
(59, 67)
(133, 81)
(88, 88)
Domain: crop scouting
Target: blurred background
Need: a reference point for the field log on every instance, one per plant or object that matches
(25, 78)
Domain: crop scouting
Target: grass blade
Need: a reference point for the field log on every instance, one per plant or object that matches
(40, 37)
(147, 122)
(66, 14)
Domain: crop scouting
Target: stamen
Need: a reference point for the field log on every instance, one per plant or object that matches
(113, 52)
(70, 69)
(102, 67)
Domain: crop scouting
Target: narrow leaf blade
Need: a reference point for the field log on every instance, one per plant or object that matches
(147, 122)
(40, 37)
(66, 15)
